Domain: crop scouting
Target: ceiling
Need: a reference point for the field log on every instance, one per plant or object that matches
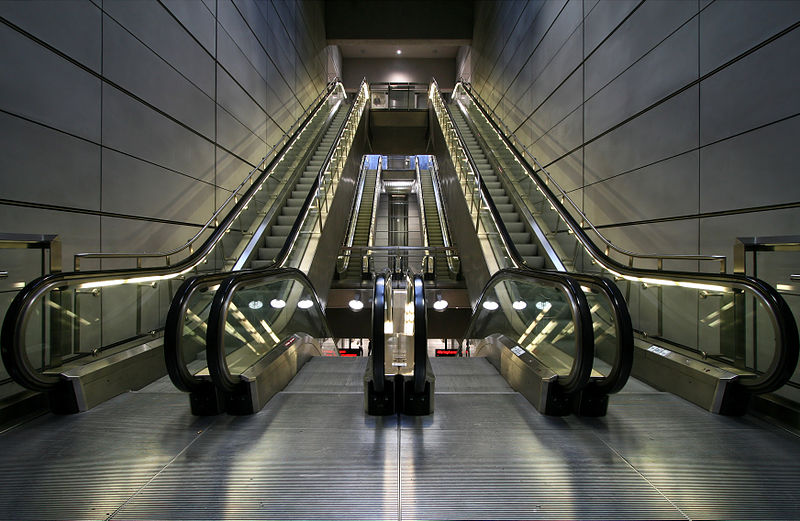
(411, 48)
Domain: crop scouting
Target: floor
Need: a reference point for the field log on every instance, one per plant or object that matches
(312, 453)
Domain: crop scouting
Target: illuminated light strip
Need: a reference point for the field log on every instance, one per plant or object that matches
(135, 280)
(666, 282)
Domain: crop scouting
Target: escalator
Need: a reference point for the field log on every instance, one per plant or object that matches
(361, 228)
(437, 234)
(519, 231)
(226, 319)
(278, 232)
(85, 336)
(690, 328)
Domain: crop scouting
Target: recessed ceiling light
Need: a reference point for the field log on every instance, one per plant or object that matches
(491, 305)
(305, 303)
(399, 51)
(277, 303)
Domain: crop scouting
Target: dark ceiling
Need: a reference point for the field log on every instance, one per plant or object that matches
(398, 19)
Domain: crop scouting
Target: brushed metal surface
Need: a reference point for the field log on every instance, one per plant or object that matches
(312, 453)
(479, 376)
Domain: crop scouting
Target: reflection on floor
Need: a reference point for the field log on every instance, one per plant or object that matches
(313, 454)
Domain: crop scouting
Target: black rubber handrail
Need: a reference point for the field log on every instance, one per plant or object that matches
(215, 334)
(420, 334)
(622, 364)
(176, 365)
(581, 368)
(378, 337)
(787, 350)
(12, 346)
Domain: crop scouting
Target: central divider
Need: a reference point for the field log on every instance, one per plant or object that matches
(397, 381)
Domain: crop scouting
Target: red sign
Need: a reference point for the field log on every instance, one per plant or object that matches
(349, 352)
(447, 352)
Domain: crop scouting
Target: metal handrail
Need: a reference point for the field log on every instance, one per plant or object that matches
(722, 259)
(218, 316)
(12, 336)
(786, 334)
(212, 221)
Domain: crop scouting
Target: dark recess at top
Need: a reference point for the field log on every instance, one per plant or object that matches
(398, 19)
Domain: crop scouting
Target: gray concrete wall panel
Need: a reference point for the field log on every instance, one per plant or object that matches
(610, 96)
(71, 104)
(48, 167)
(71, 27)
(734, 99)
(128, 62)
(126, 121)
(727, 29)
(156, 27)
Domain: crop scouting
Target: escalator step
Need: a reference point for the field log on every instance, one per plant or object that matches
(259, 264)
(520, 237)
(286, 220)
(536, 262)
(516, 227)
(295, 202)
(268, 253)
(281, 230)
(275, 241)
(505, 208)
(509, 217)
(526, 249)
(290, 211)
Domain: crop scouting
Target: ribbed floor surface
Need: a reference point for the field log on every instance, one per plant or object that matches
(313, 454)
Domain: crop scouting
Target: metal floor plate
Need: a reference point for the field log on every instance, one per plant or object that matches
(312, 453)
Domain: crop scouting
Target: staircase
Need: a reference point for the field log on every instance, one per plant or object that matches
(521, 235)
